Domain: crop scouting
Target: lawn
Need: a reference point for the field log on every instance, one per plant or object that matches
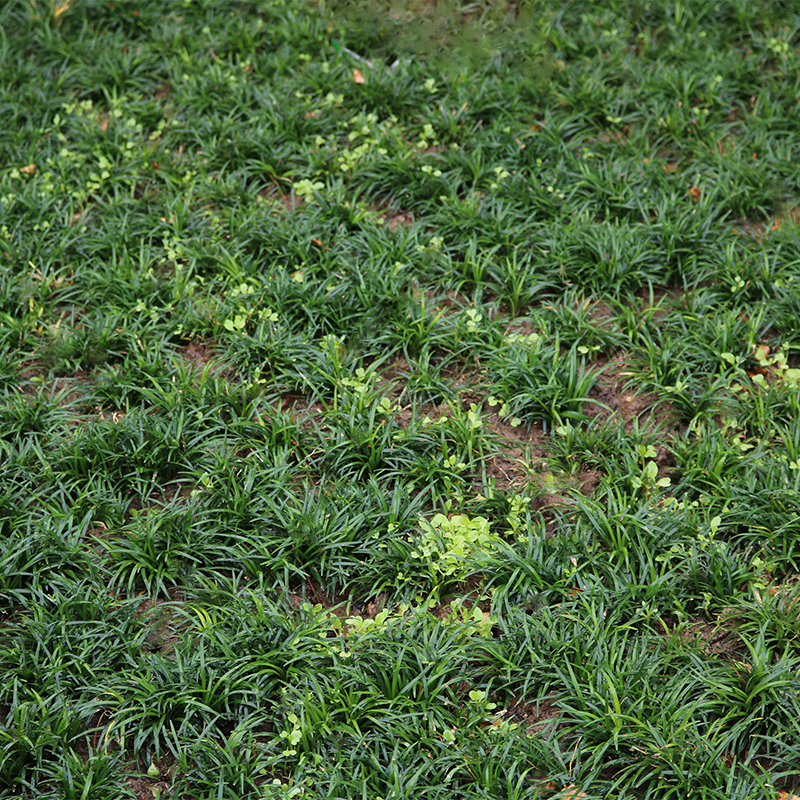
(399, 402)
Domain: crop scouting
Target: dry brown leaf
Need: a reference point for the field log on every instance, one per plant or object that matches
(59, 9)
(695, 193)
(571, 792)
(29, 170)
(357, 76)
(786, 796)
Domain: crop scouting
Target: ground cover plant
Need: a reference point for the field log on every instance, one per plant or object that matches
(399, 400)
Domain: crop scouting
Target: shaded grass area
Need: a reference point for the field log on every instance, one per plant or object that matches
(399, 402)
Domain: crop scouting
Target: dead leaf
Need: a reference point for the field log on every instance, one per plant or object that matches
(786, 796)
(695, 193)
(357, 76)
(59, 9)
(571, 792)
(29, 170)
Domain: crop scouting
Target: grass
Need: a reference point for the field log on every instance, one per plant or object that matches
(399, 404)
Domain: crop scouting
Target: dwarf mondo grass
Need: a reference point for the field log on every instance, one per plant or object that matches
(399, 400)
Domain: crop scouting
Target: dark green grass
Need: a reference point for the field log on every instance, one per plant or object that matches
(432, 435)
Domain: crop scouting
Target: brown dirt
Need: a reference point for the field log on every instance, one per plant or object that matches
(300, 410)
(536, 715)
(164, 629)
(612, 392)
(758, 229)
(522, 451)
(661, 299)
(283, 201)
(713, 637)
(81, 377)
(393, 218)
(602, 315)
(338, 604)
(403, 220)
(170, 492)
(198, 354)
(147, 788)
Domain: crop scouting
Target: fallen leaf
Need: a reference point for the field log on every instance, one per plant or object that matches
(571, 792)
(29, 170)
(786, 796)
(695, 193)
(357, 76)
(760, 352)
(59, 9)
